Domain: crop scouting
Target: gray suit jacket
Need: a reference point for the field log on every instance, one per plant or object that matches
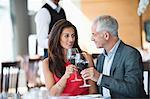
(126, 74)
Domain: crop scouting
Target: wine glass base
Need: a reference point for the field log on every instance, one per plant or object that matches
(84, 86)
(76, 80)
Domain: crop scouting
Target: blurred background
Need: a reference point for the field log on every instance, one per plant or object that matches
(17, 25)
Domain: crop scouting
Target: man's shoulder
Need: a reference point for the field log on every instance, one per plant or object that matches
(128, 49)
(43, 12)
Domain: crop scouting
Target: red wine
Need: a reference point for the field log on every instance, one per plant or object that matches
(82, 65)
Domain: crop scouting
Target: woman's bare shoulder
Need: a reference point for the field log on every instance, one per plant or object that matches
(87, 55)
(89, 58)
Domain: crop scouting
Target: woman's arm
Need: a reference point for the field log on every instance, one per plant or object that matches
(93, 87)
(55, 88)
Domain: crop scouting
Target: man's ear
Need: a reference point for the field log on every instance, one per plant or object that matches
(106, 35)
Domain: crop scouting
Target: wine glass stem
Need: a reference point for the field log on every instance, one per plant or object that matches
(84, 82)
(76, 75)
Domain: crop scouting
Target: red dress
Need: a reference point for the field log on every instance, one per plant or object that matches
(72, 88)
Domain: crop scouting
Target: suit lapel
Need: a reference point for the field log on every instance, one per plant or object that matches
(99, 67)
(100, 62)
(114, 64)
(116, 58)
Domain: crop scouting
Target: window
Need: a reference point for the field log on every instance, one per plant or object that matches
(6, 32)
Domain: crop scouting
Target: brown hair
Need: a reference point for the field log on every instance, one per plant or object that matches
(55, 50)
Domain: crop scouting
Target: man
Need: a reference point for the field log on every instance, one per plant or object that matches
(45, 18)
(119, 69)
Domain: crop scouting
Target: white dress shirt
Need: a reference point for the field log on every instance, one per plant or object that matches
(42, 20)
(107, 66)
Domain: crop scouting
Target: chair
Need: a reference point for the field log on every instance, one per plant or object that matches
(95, 55)
(9, 76)
(33, 73)
(147, 76)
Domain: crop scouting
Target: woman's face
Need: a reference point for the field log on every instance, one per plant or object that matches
(67, 38)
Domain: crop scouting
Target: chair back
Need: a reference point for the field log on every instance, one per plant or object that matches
(147, 76)
(9, 76)
(34, 73)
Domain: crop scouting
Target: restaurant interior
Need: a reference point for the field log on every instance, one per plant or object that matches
(21, 57)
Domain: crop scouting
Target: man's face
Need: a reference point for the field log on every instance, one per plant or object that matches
(98, 38)
(56, 1)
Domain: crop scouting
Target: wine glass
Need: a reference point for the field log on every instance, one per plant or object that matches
(72, 56)
(81, 65)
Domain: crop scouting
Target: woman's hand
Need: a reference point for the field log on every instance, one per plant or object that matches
(69, 70)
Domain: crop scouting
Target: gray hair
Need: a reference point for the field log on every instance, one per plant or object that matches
(106, 23)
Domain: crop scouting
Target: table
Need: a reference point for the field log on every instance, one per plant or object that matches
(36, 93)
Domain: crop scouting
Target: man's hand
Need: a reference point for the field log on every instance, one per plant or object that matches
(90, 73)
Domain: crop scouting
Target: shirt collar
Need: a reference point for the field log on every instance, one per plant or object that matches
(53, 5)
(113, 50)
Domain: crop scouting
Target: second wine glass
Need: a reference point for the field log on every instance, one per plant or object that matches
(81, 65)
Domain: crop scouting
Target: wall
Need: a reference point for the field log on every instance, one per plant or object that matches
(144, 17)
(125, 12)
(21, 26)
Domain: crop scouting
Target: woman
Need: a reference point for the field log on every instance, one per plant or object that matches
(58, 71)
